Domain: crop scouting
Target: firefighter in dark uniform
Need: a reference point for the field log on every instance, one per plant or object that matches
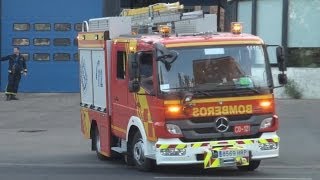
(17, 66)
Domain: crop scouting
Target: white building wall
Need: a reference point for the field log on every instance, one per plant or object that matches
(304, 23)
(244, 15)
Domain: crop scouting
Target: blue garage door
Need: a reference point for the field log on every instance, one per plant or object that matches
(46, 33)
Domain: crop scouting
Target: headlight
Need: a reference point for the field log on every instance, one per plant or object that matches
(173, 152)
(173, 129)
(269, 146)
(266, 123)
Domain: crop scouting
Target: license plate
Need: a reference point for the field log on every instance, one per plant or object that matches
(242, 129)
(233, 153)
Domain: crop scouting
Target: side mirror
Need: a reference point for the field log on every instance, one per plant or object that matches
(133, 66)
(283, 79)
(134, 73)
(165, 55)
(134, 86)
(280, 59)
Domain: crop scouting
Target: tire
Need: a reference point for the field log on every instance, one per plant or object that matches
(253, 165)
(97, 145)
(137, 154)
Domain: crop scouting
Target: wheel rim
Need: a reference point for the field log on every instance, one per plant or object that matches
(98, 145)
(138, 152)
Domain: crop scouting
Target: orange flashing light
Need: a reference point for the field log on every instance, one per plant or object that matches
(236, 28)
(265, 104)
(174, 109)
(164, 30)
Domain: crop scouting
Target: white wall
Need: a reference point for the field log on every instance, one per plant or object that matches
(304, 23)
(269, 24)
(307, 79)
(244, 15)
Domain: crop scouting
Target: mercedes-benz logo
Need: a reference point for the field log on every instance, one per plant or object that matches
(222, 124)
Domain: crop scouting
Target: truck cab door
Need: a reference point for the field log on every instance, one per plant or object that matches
(119, 90)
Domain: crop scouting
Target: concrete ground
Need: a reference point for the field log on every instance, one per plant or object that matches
(40, 138)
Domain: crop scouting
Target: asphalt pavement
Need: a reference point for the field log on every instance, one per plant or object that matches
(40, 139)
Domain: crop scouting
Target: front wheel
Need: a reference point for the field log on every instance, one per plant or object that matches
(253, 165)
(138, 155)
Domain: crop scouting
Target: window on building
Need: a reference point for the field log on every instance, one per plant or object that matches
(41, 41)
(62, 42)
(21, 26)
(62, 27)
(121, 64)
(25, 56)
(41, 56)
(304, 57)
(76, 56)
(42, 27)
(61, 56)
(78, 27)
(20, 42)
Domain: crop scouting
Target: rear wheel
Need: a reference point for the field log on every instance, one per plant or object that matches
(97, 144)
(138, 155)
(253, 165)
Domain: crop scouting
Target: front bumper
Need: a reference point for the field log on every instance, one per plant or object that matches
(175, 152)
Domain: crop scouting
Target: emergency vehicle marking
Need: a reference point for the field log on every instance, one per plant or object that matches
(83, 76)
(228, 99)
(86, 123)
(142, 108)
(118, 129)
(175, 146)
(222, 110)
(99, 74)
(218, 143)
(143, 112)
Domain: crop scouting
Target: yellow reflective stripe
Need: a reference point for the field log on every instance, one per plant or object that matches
(277, 139)
(181, 146)
(196, 145)
(248, 141)
(263, 141)
(218, 148)
(216, 163)
(118, 129)
(164, 146)
(207, 158)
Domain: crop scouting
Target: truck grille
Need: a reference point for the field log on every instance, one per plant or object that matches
(204, 129)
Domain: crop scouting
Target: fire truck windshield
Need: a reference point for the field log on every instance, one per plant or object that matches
(216, 68)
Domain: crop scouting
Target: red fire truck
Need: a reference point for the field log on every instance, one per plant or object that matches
(163, 87)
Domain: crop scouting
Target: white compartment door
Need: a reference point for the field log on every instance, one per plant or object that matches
(99, 79)
(86, 77)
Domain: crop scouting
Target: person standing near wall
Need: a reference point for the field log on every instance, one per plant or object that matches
(17, 66)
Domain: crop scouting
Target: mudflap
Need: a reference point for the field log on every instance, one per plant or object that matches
(226, 157)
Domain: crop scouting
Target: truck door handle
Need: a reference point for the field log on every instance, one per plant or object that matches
(116, 98)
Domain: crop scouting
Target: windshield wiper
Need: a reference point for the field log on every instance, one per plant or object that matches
(201, 92)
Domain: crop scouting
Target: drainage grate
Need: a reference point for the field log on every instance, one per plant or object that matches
(31, 130)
